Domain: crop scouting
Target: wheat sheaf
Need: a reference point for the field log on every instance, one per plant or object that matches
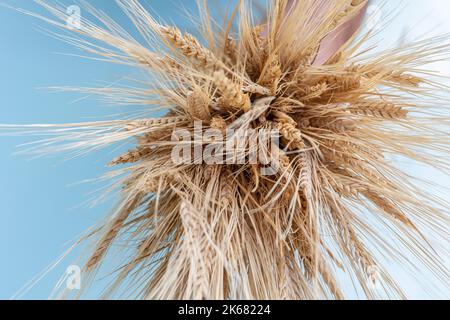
(338, 205)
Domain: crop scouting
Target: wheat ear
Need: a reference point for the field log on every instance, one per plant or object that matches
(231, 92)
(329, 279)
(305, 175)
(315, 91)
(272, 74)
(388, 207)
(256, 89)
(198, 104)
(333, 124)
(190, 47)
(196, 247)
(113, 229)
(291, 134)
(156, 122)
(383, 110)
(131, 156)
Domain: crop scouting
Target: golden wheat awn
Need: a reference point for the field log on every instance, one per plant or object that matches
(226, 231)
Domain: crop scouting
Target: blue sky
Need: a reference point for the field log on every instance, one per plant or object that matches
(43, 207)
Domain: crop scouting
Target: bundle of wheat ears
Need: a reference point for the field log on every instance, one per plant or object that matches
(337, 208)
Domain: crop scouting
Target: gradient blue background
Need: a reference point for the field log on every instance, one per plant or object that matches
(42, 208)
